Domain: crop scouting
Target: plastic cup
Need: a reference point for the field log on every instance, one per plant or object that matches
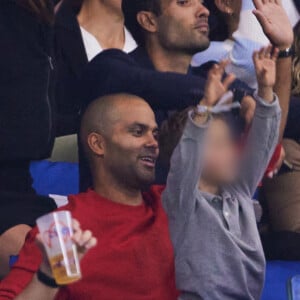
(56, 231)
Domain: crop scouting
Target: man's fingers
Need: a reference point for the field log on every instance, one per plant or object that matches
(75, 224)
(86, 241)
(229, 79)
(275, 54)
(268, 51)
(77, 236)
(91, 243)
(223, 63)
(85, 237)
(255, 57)
(262, 53)
(261, 18)
(258, 3)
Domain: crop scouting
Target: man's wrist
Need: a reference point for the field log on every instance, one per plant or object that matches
(45, 268)
(286, 52)
(204, 102)
(284, 47)
(46, 280)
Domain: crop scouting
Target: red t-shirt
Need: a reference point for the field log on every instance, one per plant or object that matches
(133, 260)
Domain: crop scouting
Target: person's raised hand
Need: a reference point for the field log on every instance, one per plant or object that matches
(83, 239)
(265, 68)
(216, 85)
(275, 22)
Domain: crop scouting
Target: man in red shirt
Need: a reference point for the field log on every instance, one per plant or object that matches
(133, 259)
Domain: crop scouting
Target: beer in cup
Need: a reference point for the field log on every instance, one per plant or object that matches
(56, 232)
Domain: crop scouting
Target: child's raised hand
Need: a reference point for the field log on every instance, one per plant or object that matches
(265, 67)
(216, 86)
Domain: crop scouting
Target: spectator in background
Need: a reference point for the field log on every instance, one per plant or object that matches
(293, 129)
(83, 29)
(26, 116)
(281, 195)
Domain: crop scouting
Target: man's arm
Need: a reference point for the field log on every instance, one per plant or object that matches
(263, 136)
(37, 290)
(114, 71)
(283, 90)
(22, 282)
(277, 27)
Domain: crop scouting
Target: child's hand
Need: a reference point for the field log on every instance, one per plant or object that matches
(216, 87)
(265, 67)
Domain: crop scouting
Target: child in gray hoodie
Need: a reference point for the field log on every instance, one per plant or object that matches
(208, 198)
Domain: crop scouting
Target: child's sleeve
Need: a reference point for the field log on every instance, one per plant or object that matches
(261, 143)
(183, 178)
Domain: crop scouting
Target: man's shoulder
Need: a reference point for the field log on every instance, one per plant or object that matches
(79, 199)
(137, 57)
(109, 55)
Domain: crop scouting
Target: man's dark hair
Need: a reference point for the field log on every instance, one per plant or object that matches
(130, 10)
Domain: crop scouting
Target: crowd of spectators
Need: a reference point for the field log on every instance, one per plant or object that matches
(170, 92)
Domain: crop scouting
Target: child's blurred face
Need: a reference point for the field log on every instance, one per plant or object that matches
(220, 154)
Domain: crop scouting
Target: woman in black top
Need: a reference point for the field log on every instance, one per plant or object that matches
(26, 128)
(26, 122)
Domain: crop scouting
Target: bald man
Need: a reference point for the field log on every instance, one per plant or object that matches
(133, 259)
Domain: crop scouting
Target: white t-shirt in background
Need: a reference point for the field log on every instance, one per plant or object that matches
(93, 48)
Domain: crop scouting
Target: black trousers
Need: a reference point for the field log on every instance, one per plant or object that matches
(284, 245)
(15, 177)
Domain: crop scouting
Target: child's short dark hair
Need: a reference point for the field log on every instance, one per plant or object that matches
(171, 132)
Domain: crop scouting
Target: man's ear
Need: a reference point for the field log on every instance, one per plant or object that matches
(147, 20)
(96, 143)
(225, 6)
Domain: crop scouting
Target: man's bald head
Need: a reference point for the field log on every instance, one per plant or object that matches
(103, 113)
(119, 135)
